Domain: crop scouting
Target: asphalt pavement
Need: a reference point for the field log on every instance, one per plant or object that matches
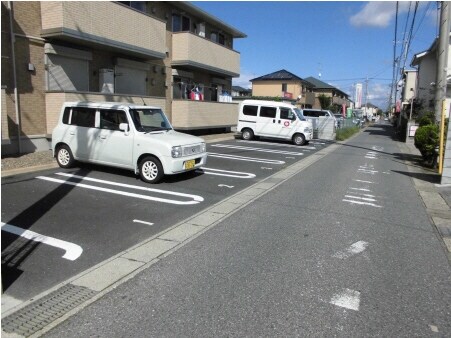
(435, 199)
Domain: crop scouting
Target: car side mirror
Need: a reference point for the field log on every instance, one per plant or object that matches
(124, 127)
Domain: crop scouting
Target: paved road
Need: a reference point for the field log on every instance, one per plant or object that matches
(344, 248)
(85, 215)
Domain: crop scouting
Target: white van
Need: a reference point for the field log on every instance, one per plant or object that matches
(139, 138)
(273, 120)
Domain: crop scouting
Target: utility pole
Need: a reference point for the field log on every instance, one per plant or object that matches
(442, 62)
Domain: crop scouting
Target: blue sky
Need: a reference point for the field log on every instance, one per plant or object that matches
(344, 41)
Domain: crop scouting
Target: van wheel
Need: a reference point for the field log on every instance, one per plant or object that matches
(248, 134)
(64, 157)
(299, 139)
(150, 170)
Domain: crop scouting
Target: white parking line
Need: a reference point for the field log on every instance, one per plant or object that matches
(245, 158)
(361, 198)
(263, 150)
(280, 145)
(354, 249)
(194, 198)
(348, 299)
(142, 222)
(72, 251)
(362, 203)
(365, 181)
(228, 173)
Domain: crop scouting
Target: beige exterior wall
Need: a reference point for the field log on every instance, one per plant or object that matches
(197, 114)
(274, 88)
(104, 22)
(54, 102)
(190, 48)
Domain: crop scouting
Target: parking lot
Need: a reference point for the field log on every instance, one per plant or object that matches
(58, 223)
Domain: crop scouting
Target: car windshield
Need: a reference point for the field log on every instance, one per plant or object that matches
(149, 119)
(299, 114)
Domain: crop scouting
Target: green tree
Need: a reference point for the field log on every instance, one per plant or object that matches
(324, 101)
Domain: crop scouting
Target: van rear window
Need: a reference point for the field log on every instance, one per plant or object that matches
(250, 110)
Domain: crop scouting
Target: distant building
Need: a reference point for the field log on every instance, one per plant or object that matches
(339, 98)
(285, 85)
(238, 91)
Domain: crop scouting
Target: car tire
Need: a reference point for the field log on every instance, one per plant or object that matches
(64, 157)
(150, 170)
(247, 134)
(299, 139)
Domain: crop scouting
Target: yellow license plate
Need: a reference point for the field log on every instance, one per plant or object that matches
(190, 164)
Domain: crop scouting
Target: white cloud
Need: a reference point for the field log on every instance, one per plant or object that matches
(243, 80)
(378, 14)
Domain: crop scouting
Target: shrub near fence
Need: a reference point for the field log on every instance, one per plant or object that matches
(346, 132)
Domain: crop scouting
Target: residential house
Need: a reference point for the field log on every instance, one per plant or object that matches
(426, 64)
(285, 85)
(168, 54)
(339, 98)
(408, 89)
(238, 91)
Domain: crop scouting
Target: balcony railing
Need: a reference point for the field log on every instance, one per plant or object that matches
(197, 52)
(104, 23)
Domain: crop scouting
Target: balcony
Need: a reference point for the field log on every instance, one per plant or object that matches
(193, 51)
(202, 114)
(105, 25)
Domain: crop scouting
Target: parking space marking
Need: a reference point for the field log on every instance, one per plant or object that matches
(225, 185)
(348, 299)
(72, 251)
(362, 203)
(228, 173)
(246, 158)
(280, 145)
(354, 249)
(195, 199)
(263, 150)
(365, 181)
(142, 222)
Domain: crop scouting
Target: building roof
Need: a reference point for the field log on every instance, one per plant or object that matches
(185, 5)
(323, 85)
(240, 89)
(280, 75)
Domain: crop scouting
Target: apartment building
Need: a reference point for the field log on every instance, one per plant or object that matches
(285, 85)
(339, 98)
(169, 54)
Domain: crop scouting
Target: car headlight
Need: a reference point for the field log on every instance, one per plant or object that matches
(176, 151)
(203, 147)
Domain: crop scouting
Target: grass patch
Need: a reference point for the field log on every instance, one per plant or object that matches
(345, 133)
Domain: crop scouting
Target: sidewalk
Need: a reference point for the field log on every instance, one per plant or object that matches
(436, 197)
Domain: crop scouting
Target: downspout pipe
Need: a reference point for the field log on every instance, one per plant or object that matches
(16, 95)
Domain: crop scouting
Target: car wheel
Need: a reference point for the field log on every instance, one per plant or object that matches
(248, 134)
(299, 139)
(150, 170)
(64, 157)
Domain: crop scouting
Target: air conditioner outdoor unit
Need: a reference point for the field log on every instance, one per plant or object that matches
(106, 80)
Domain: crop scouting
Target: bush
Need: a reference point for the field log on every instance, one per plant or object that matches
(426, 140)
(344, 133)
(427, 118)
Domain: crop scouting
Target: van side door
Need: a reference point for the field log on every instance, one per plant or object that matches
(267, 122)
(287, 122)
(114, 146)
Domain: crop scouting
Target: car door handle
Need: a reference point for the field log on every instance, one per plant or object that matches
(103, 137)
(72, 133)
(279, 121)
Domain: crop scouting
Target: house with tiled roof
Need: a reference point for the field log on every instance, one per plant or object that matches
(286, 85)
(322, 88)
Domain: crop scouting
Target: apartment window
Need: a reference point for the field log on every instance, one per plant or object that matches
(217, 37)
(138, 5)
(180, 23)
(284, 87)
